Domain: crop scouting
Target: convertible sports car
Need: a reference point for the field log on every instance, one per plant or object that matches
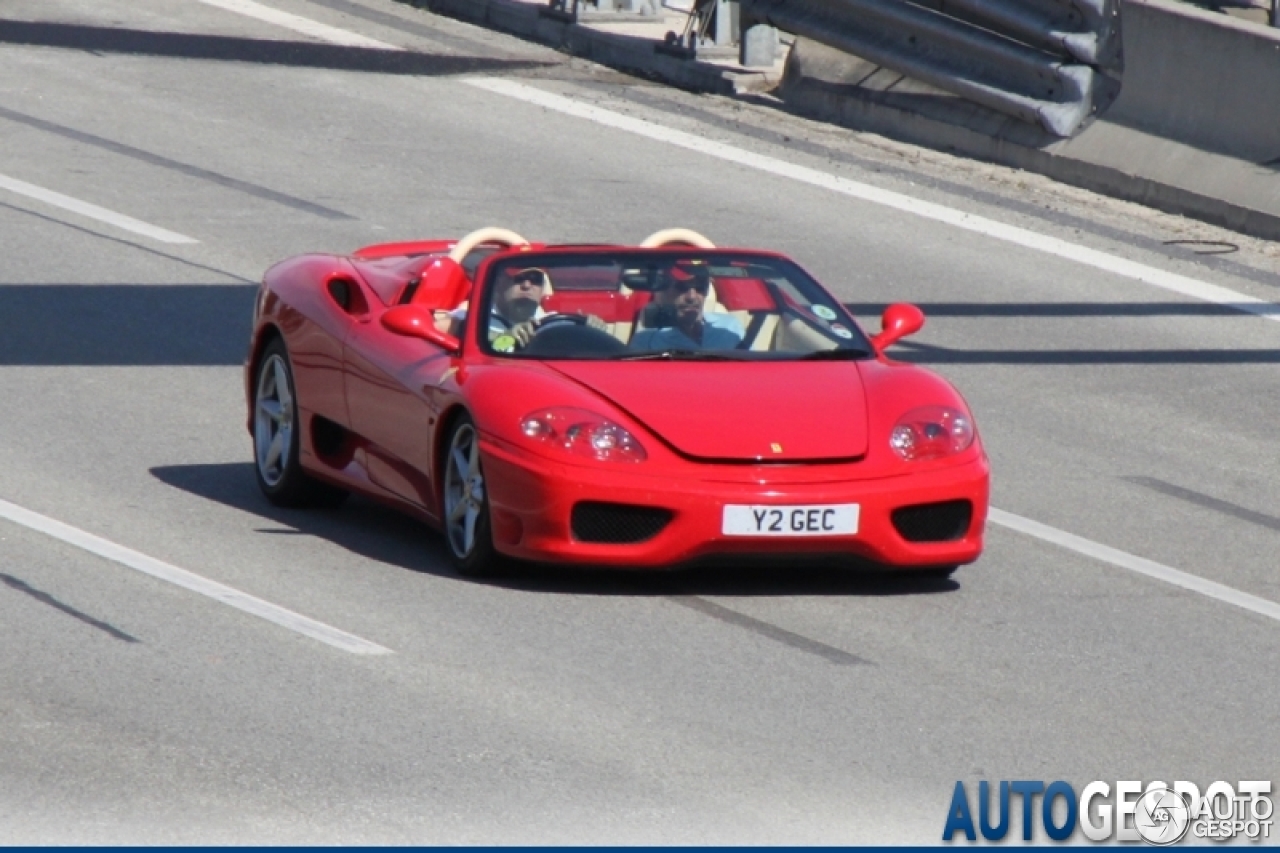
(631, 406)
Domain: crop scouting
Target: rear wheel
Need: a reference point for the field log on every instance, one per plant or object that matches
(277, 438)
(467, 530)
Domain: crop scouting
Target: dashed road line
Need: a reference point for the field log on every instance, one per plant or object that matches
(1134, 563)
(170, 573)
(93, 211)
(176, 165)
(299, 24)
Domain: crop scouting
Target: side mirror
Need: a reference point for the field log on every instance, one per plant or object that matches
(898, 321)
(414, 321)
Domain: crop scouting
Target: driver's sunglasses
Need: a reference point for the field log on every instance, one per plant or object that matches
(535, 277)
(701, 285)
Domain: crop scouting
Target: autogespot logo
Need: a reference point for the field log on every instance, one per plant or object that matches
(1157, 813)
(1162, 816)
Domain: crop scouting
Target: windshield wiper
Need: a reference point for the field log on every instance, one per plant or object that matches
(834, 355)
(678, 355)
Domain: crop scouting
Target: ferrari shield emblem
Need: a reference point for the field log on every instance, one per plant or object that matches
(775, 447)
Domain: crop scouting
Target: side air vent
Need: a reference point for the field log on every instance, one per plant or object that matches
(340, 290)
(346, 294)
(332, 444)
(617, 524)
(939, 522)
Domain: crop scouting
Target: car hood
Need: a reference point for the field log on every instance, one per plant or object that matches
(741, 411)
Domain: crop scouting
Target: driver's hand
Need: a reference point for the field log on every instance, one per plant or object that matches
(524, 332)
(594, 322)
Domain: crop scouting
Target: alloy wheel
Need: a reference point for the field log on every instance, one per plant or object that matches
(464, 495)
(273, 419)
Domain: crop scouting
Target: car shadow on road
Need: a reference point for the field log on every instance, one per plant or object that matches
(361, 526)
(299, 54)
(726, 579)
(375, 532)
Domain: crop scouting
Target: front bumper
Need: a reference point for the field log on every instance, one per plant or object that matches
(532, 500)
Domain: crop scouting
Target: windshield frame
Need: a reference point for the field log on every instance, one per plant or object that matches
(851, 338)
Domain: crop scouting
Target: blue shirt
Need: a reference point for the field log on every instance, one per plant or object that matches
(719, 331)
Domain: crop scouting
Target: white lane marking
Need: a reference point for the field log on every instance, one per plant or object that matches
(1029, 239)
(1133, 563)
(84, 208)
(299, 24)
(189, 580)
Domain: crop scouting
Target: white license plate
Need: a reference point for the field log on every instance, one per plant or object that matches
(813, 520)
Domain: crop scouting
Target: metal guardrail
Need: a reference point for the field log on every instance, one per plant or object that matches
(712, 23)
(1054, 63)
(571, 11)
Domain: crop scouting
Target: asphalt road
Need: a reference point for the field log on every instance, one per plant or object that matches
(772, 706)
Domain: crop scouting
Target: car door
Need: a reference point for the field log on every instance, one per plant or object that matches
(391, 383)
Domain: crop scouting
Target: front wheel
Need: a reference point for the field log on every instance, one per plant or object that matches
(467, 529)
(276, 437)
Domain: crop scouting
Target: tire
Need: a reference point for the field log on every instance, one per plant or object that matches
(468, 533)
(277, 439)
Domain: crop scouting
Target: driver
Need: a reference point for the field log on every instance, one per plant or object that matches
(517, 302)
(517, 305)
(683, 298)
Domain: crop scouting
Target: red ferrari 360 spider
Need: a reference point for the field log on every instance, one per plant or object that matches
(640, 406)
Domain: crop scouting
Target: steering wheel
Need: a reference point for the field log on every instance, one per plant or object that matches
(676, 236)
(552, 321)
(570, 335)
(481, 236)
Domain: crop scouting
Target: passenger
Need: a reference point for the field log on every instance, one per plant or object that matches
(684, 323)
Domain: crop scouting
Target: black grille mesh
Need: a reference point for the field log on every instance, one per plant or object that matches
(940, 522)
(617, 524)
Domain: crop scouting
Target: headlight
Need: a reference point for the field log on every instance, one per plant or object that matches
(583, 433)
(931, 432)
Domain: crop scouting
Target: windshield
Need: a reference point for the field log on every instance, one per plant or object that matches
(662, 305)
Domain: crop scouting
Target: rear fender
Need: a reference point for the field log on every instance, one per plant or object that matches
(303, 303)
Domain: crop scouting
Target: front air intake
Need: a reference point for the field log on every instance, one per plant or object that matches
(941, 522)
(617, 524)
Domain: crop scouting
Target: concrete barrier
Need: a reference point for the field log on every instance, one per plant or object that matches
(1195, 129)
(1201, 78)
